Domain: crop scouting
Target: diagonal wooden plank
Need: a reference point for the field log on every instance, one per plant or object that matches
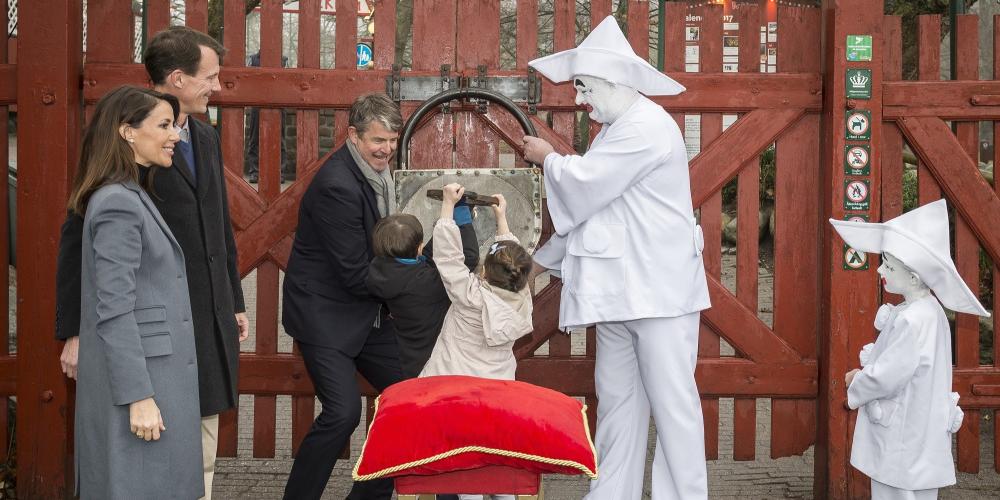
(545, 320)
(934, 143)
(743, 329)
(507, 127)
(245, 204)
(275, 223)
(741, 142)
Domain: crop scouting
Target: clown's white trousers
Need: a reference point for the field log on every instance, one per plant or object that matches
(885, 492)
(645, 365)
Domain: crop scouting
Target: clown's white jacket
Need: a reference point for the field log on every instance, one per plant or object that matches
(626, 245)
(902, 437)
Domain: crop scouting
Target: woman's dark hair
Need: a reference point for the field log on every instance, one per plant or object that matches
(398, 235)
(508, 267)
(177, 47)
(105, 156)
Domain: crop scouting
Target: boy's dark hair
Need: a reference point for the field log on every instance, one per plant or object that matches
(177, 47)
(508, 267)
(398, 235)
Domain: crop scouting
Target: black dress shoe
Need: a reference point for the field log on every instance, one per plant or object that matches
(252, 178)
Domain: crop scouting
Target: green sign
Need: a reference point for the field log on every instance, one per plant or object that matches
(859, 83)
(857, 159)
(859, 47)
(857, 194)
(858, 125)
(854, 260)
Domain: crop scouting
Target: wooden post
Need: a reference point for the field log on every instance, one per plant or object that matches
(48, 98)
(852, 296)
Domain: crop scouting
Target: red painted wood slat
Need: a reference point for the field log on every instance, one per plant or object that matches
(109, 30)
(385, 34)
(564, 20)
(747, 239)
(157, 16)
(892, 144)
(797, 231)
(479, 39)
(527, 32)
(967, 247)
(996, 265)
(638, 27)
(232, 137)
(599, 9)
(196, 14)
(308, 88)
(848, 296)
(48, 98)
(929, 68)
(433, 45)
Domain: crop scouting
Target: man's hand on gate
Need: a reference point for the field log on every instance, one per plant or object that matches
(535, 149)
(69, 357)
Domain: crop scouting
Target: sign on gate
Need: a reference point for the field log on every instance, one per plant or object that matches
(859, 47)
(859, 83)
(859, 125)
(856, 160)
(856, 195)
(365, 59)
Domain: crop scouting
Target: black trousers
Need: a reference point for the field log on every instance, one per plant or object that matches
(333, 375)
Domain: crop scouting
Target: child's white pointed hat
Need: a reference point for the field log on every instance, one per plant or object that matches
(919, 239)
(606, 54)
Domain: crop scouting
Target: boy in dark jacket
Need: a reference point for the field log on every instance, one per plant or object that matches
(404, 277)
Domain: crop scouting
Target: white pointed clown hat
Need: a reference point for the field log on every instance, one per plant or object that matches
(919, 239)
(606, 54)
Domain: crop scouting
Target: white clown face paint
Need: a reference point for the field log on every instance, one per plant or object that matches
(899, 279)
(605, 101)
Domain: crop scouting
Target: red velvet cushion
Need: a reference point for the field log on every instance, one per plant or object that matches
(440, 424)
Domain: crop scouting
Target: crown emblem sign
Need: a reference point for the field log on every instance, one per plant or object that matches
(859, 80)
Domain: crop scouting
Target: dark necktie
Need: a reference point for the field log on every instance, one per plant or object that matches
(185, 149)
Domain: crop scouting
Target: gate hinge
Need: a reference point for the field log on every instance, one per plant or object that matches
(419, 88)
(519, 89)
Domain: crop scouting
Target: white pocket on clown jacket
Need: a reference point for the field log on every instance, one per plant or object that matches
(599, 264)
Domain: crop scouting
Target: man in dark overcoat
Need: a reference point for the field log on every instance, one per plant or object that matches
(339, 328)
(192, 198)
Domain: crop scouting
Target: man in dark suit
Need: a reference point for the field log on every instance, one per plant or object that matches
(191, 196)
(338, 326)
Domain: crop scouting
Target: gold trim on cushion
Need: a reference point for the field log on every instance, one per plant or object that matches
(481, 449)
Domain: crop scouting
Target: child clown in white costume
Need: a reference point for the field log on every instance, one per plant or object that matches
(628, 250)
(902, 438)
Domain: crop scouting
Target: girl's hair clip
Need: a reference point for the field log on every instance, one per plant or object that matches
(494, 247)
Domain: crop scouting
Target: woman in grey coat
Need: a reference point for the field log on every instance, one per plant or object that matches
(138, 431)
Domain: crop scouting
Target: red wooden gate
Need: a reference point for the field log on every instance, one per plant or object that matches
(753, 346)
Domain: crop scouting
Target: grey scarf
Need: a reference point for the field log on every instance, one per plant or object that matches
(381, 182)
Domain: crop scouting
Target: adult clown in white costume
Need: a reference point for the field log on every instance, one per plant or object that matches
(902, 438)
(628, 250)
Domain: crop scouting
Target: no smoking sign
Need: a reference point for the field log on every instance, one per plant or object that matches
(856, 195)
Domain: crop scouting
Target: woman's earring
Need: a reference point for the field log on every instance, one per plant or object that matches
(131, 140)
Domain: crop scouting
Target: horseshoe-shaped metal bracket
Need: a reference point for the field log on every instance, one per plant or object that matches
(451, 95)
